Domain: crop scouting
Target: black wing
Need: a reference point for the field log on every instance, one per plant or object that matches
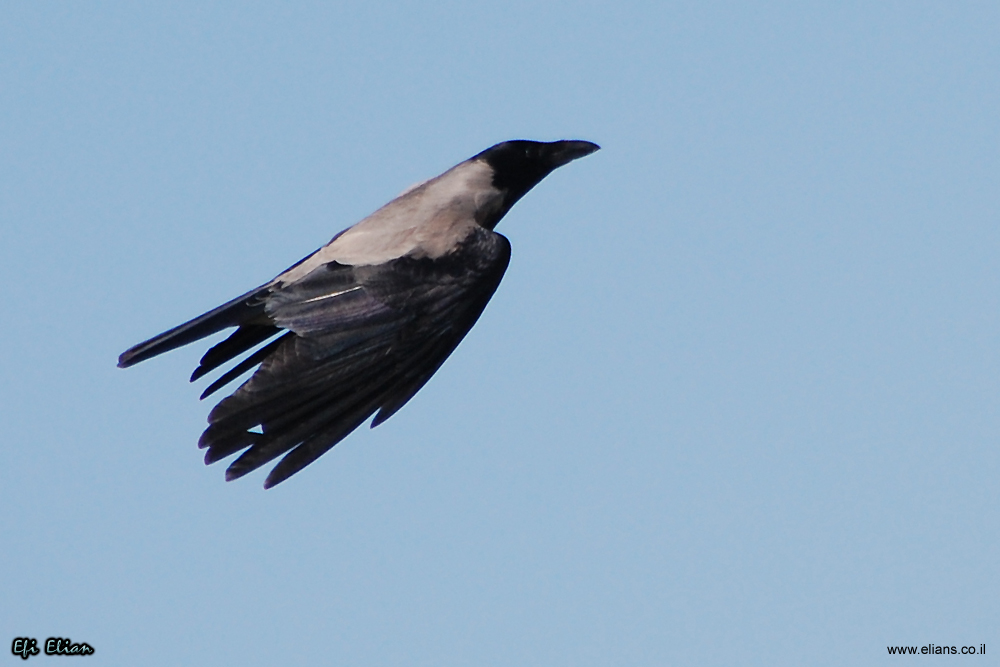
(359, 339)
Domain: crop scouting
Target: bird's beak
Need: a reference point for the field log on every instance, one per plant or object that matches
(564, 152)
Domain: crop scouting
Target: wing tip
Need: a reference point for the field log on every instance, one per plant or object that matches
(286, 468)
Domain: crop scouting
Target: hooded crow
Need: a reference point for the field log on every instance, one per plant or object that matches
(359, 326)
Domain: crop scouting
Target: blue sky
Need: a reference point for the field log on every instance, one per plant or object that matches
(735, 401)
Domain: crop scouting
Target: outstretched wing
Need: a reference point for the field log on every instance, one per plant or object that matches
(359, 340)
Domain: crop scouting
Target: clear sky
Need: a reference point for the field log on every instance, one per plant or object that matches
(736, 402)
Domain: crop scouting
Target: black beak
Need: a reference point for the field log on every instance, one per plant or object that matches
(564, 152)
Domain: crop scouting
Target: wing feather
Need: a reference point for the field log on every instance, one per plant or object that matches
(239, 342)
(361, 340)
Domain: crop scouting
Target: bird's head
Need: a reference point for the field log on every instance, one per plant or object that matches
(520, 165)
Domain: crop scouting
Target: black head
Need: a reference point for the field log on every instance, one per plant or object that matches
(519, 165)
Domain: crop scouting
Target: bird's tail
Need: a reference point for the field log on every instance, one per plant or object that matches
(241, 310)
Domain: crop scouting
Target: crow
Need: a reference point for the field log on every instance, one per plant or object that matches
(360, 325)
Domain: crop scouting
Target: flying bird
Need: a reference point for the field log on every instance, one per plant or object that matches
(359, 326)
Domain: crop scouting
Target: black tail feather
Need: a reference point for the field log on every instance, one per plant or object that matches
(240, 310)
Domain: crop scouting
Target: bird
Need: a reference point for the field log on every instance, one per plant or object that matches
(358, 327)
